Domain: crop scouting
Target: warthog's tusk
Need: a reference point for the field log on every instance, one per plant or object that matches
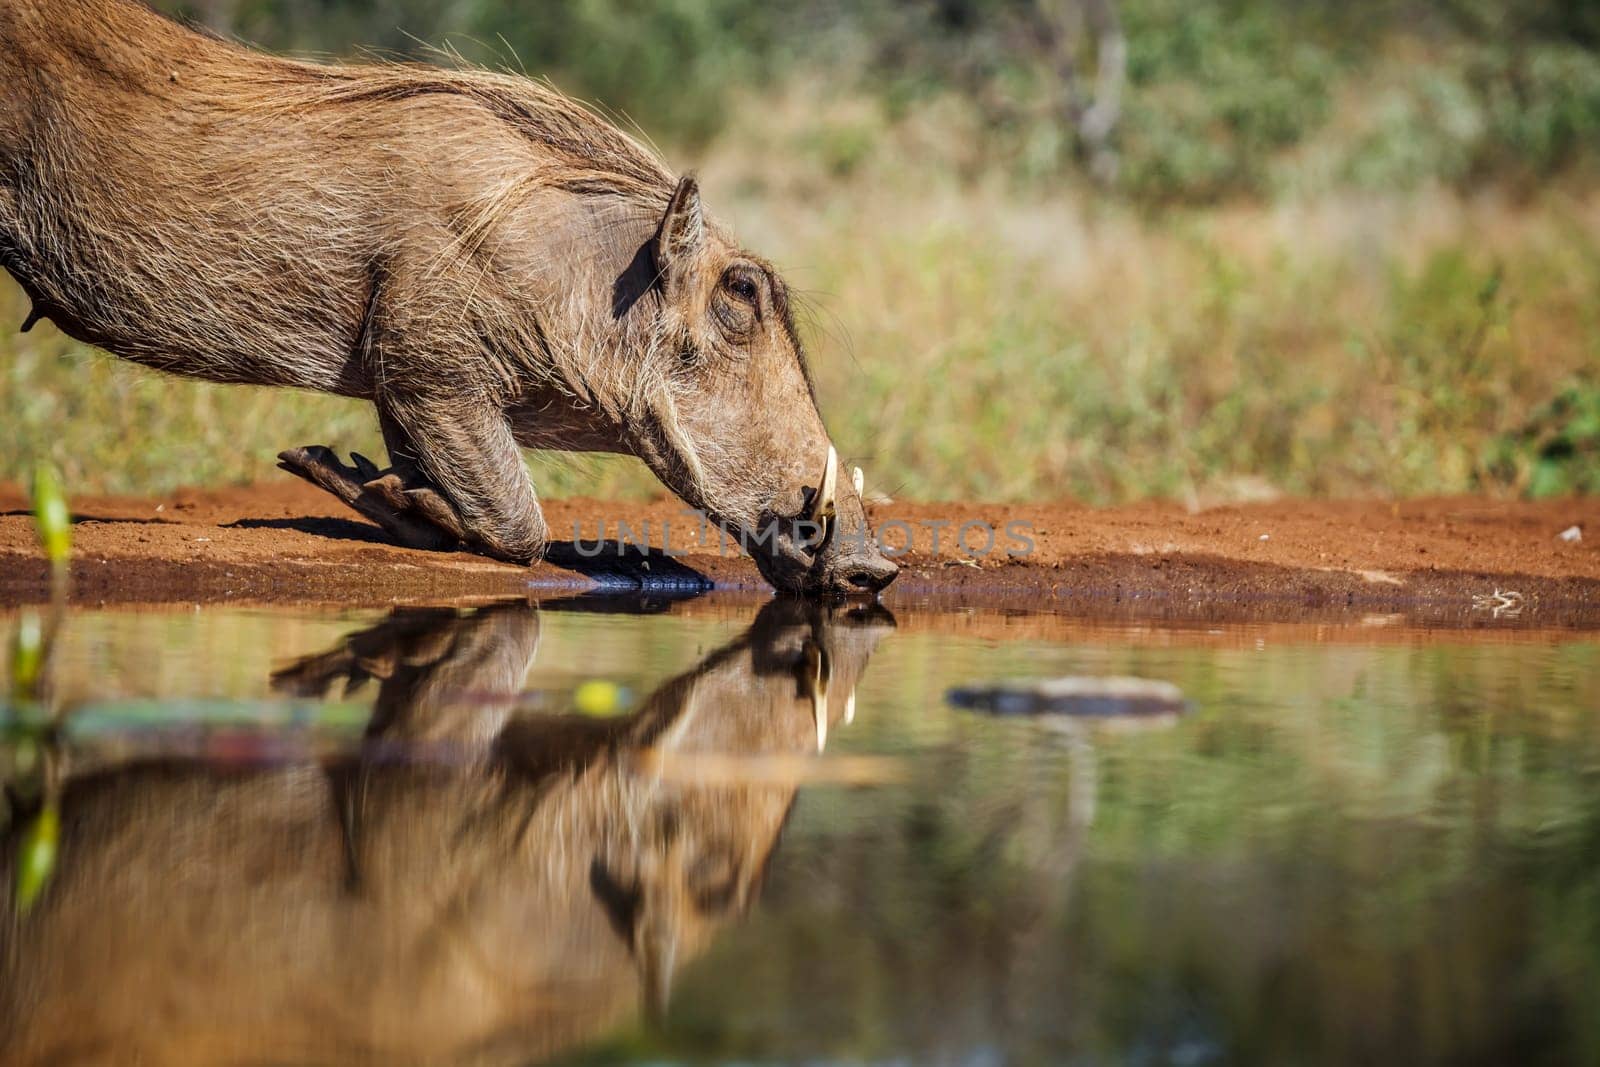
(822, 506)
(850, 708)
(858, 480)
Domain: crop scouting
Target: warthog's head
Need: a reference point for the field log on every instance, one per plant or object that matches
(733, 426)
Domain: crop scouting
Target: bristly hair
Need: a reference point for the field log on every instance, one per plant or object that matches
(601, 159)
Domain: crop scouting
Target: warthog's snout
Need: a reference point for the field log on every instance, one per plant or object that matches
(794, 566)
(866, 573)
(828, 548)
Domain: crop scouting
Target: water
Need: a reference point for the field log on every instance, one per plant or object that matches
(299, 837)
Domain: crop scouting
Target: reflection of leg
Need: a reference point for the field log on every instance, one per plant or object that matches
(462, 698)
(410, 637)
(448, 683)
(442, 676)
(346, 780)
(463, 448)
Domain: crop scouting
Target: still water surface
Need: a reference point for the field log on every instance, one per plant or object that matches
(395, 837)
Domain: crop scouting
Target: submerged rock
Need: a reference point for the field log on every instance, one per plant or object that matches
(1075, 695)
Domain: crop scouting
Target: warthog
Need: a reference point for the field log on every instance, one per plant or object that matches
(473, 883)
(488, 262)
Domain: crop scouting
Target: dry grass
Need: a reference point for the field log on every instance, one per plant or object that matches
(981, 342)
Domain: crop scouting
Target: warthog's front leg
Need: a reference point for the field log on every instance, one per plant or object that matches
(457, 478)
(464, 447)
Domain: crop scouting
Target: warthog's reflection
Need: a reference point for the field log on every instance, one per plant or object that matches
(514, 891)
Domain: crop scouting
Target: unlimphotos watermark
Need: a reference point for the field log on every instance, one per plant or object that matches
(893, 537)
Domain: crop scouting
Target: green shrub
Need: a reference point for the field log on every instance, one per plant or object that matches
(1215, 92)
(1557, 451)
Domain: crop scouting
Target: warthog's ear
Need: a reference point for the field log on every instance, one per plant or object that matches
(681, 237)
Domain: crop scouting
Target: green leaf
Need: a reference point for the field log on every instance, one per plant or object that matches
(27, 656)
(36, 856)
(50, 515)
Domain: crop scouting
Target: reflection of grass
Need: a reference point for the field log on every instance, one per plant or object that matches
(974, 341)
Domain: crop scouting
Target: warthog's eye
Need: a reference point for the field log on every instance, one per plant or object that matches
(736, 308)
(742, 284)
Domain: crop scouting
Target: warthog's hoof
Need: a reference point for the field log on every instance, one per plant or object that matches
(417, 517)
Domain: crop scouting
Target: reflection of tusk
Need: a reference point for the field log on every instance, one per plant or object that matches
(850, 708)
(822, 504)
(657, 952)
(819, 711)
(817, 685)
(858, 480)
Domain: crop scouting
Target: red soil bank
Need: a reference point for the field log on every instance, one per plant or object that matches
(284, 541)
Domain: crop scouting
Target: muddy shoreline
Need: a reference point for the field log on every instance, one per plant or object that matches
(1438, 561)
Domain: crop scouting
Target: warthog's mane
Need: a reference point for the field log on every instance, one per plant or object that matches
(605, 160)
(596, 157)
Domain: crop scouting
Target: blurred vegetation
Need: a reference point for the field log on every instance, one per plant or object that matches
(1324, 247)
(1219, 93)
